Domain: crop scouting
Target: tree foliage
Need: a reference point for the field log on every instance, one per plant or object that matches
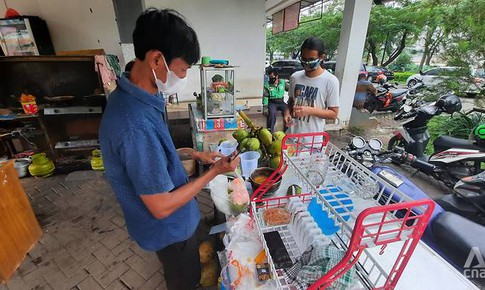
(327, 28)
(454, 30)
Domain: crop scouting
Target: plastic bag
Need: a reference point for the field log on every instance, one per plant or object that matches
(230, 198)
(219, 195)
(243, 247)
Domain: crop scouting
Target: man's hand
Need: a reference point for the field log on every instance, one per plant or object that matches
(265, 110)
(225, 164)
(301, 111)
(288, 119)
(206, 157)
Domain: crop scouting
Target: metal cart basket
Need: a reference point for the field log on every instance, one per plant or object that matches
(377, 225)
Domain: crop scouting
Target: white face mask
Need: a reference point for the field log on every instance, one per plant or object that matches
(173, 85)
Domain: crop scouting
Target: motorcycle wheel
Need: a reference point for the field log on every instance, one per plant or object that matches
(370, 106)
(412, 83)
(396, 142)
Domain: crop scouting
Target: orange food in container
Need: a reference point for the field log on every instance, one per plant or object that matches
(28, 104)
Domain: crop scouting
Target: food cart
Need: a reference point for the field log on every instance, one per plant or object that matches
(376, 226)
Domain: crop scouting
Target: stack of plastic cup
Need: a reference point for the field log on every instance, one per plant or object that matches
(249, 162)
(227, 147)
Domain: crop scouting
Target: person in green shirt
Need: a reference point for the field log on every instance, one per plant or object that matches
(273, 98)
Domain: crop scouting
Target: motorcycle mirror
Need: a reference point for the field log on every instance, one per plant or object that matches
(407, 108)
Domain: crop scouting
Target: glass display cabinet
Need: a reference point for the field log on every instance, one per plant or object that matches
(217, 92)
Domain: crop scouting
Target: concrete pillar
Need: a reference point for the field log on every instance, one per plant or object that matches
(350, 49)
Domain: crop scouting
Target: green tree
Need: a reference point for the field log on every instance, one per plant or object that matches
(390, 29)
(430, 15)
(402, 62)
(465, 24)
(327, 28)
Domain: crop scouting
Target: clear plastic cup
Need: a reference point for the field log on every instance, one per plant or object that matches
(227, 147)
(249, 162)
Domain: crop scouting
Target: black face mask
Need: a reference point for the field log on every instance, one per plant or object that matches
(272, 80)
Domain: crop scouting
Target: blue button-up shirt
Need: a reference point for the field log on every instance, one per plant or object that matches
(140, 158)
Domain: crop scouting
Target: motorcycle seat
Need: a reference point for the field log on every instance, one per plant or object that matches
(443, 143)
(398, 92)
(473, 181)
(456, 236)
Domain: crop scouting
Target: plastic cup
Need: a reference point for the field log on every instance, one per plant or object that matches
(227, 147)
(206, 60)
(249, 162)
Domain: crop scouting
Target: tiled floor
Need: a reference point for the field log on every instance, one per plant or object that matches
(85, 244)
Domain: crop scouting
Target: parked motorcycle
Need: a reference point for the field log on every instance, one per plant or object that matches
(450, 233)
(389, 97)
(454, 158)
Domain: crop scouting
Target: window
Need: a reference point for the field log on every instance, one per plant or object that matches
(431, 72)
(278, 64)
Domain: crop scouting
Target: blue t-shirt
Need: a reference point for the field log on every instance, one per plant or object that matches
(140, 158)
(360, 94)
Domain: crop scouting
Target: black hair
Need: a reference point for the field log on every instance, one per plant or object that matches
(313, 43)
(217, 78)
(273, 71)
(129, 66)
(167, 31)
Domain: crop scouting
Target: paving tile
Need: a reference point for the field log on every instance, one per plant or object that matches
(121, 234)
(132, 279)
(16, 283)
(46, 286)
(68, 234)
(143, 268)
(59, 190)
(118, 220)
(49, 256)
(91, 243)
(58, 280)
(26, 267)
(157, 281)
(110, 241)
(36, 278)
(117, 285)
(113, 274)
(70, 266)
(103, 225)
(123, 256)
(104, 255)
(96, 269)
(79, 252)
(45, 205)
(89, 284)
(121, 247)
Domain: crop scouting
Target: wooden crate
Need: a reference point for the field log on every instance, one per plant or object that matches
(19, 229)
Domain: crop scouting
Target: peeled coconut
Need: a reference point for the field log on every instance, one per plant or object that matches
(206, 252)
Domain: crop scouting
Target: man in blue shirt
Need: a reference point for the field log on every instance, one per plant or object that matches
(141, 162)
